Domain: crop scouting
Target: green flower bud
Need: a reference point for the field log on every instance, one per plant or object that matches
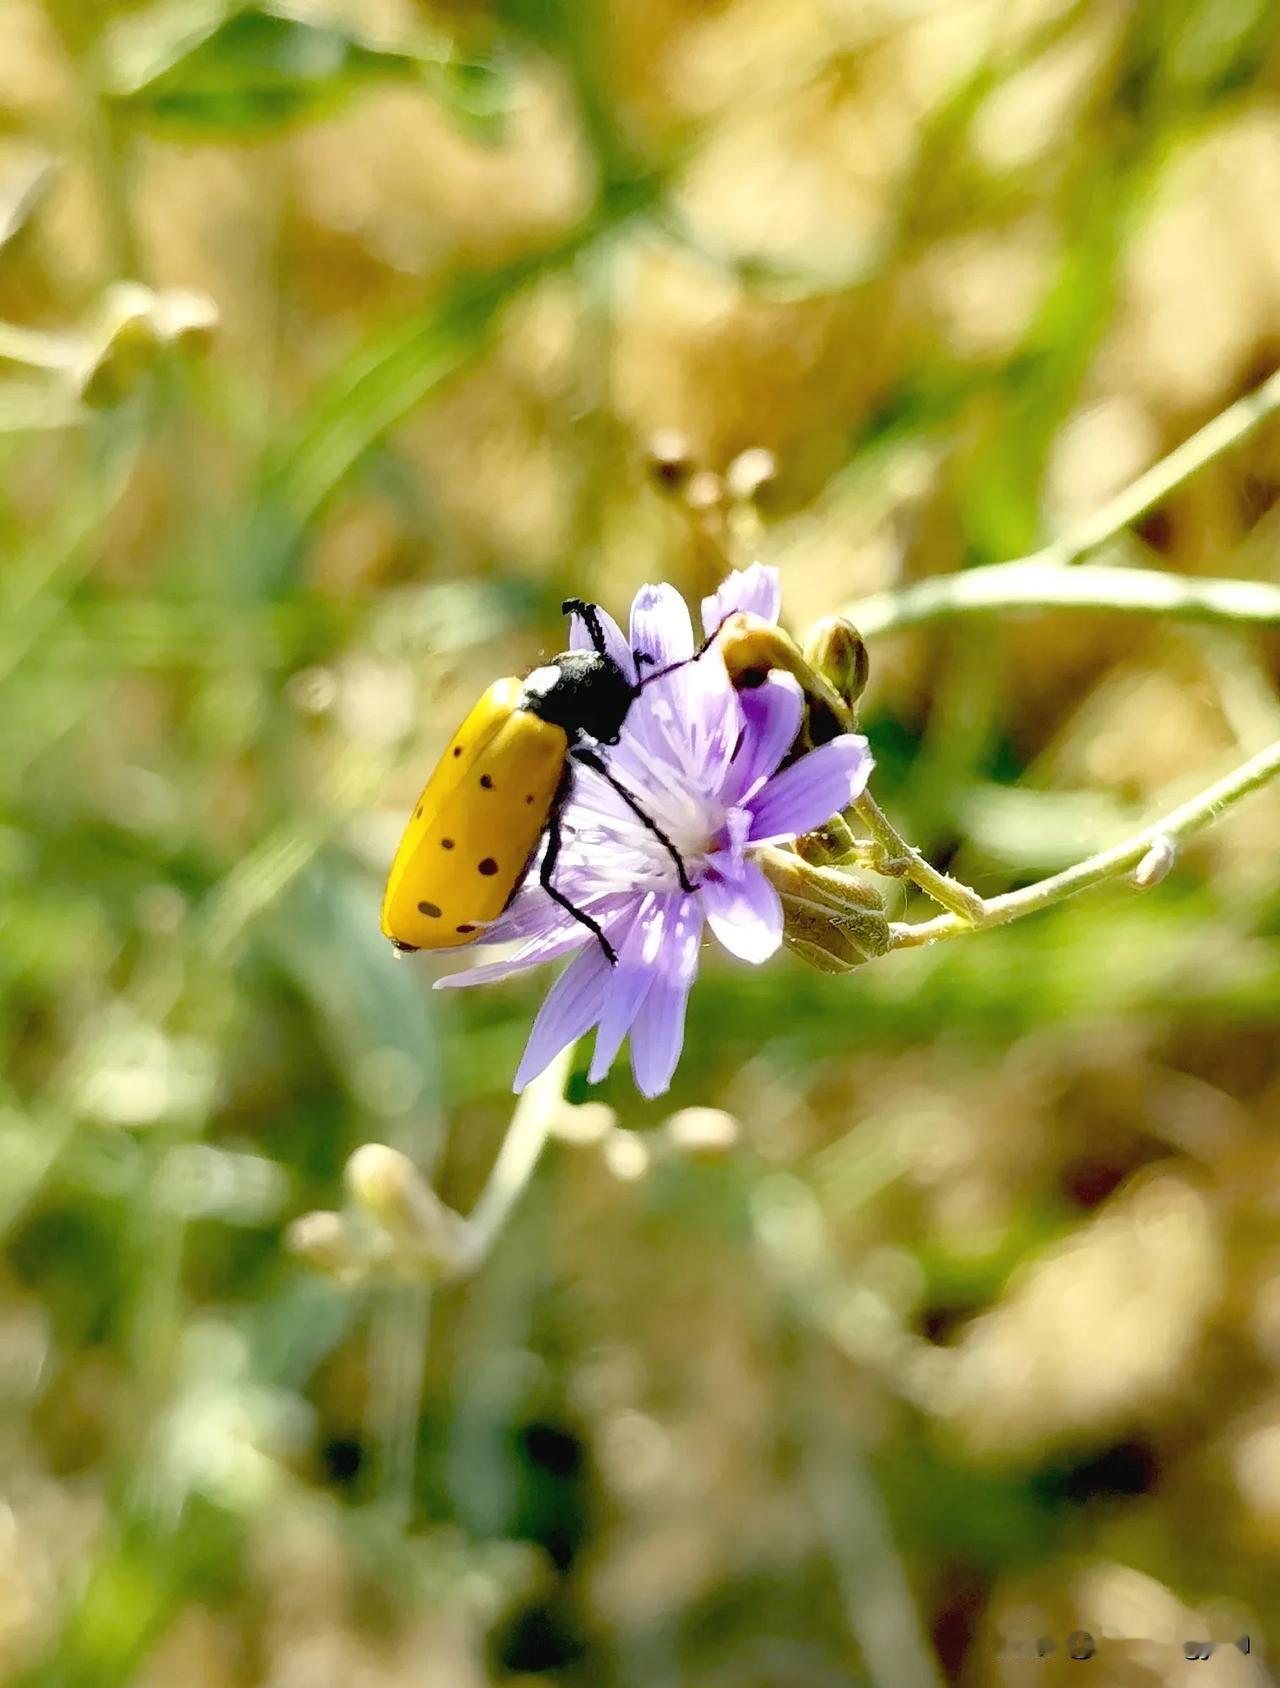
(429, 1238)
(836, 649)
(831, 920)
(830, 844)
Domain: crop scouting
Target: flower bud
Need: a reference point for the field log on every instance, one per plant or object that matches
(388, 1187)
(830, 844)
(320, 1240)
(702, 1133)
(836, 649)
(831, 920)
(1157, 862)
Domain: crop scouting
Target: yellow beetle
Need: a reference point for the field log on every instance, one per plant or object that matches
(502, 784)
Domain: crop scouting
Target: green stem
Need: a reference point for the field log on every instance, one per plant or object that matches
(901, 858)
(532, 1123)
(1228, 428)
(1107, 864)
(1043, 580)
(1039, 583)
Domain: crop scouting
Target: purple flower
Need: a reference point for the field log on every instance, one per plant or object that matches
(702, 759)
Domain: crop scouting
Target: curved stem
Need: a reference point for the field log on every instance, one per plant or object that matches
(1042, 579)
(1040, 582)
(899, 858)
(1107, 864)
(1228, 428)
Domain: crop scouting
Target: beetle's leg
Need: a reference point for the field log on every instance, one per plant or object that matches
(584, 753)
(549, 858)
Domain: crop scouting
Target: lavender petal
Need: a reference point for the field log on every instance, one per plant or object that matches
(657, 1035)
(549, 947)
(811, 790)
(630, 981)
(570, 1007)
(744, 913)
(771, 716)
(660, 628)
(756, 589)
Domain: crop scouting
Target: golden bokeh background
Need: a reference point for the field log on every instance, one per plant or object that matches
(938, 1306)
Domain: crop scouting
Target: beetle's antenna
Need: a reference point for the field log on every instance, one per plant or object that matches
(684, 661)
(590, 613)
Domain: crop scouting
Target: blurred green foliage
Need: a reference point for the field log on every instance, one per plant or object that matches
(992, 1267)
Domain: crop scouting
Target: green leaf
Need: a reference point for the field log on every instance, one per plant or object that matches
(219, 69)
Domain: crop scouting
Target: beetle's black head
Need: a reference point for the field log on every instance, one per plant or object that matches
(583, 692)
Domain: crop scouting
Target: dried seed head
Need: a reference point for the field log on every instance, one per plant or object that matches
(704, 492)
(749, 474)
(670, 458)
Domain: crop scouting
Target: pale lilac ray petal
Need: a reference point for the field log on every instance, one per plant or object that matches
(532, 914)
(771, 716)
(756, 589)
(551, 947)
(629, 982)
(745, 913)
(615, 640)
(657, 1035)
(660, 627)
(811, 790)
(570, 1007)
(734, 834)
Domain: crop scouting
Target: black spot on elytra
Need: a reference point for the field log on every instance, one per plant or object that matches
(417, 813)
(446, 843)
(486, 782)
(488, 867)
(457, 750)
(429, 909)
(467, 928)
(529, 798)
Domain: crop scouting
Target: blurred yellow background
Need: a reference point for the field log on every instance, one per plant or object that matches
(332, 342)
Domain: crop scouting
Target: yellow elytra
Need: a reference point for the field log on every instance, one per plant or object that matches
(476, 824)
(501, 783)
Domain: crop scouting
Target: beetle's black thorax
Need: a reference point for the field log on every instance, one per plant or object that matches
(581, 692)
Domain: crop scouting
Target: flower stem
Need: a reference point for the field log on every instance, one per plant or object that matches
(900, 859)
(1228, 428)
(1039, 582)
(1106, 864)
(1042, 578)
(532, 1122)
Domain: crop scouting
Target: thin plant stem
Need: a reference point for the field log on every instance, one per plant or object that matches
(1198, 812)
(1043, 579)
(397, 1366)
(1038, 582)
(902, 858)
(1228, 428)
(532, 1123)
